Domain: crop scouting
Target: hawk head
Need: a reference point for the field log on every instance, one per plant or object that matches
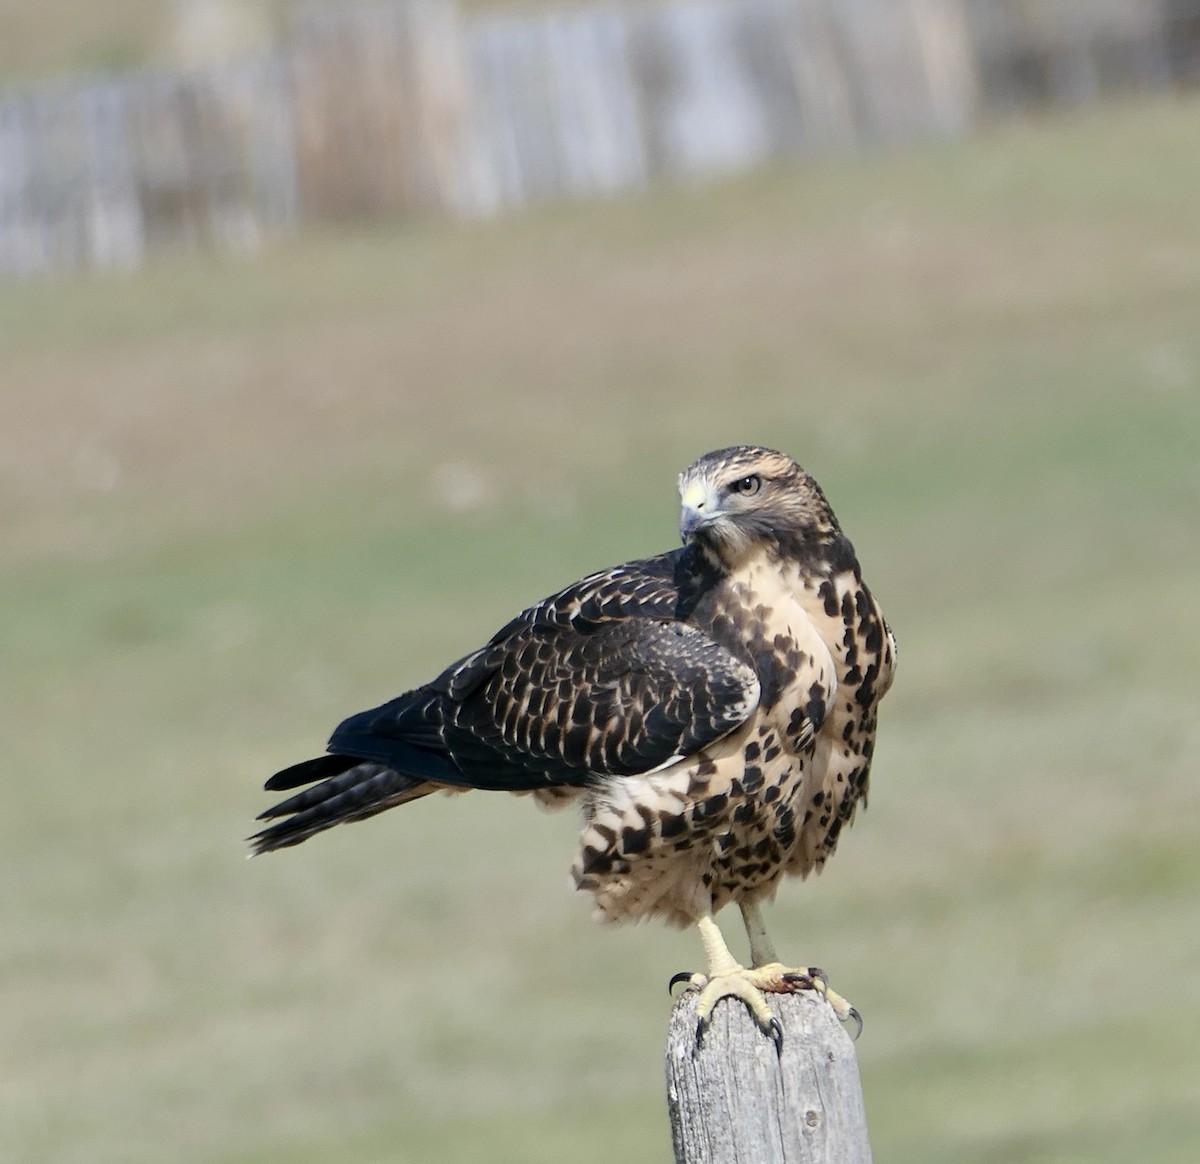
(746, 498)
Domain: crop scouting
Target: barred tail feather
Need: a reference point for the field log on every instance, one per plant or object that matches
(350, 789)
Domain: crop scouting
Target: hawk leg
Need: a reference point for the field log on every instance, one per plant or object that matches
(727, 978)
(765, 961)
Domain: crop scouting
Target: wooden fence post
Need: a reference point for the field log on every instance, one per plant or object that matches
(734, 1100)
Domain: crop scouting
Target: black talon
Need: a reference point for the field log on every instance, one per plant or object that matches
(676, 979)
(819, 975)
(799, 981)
(776, 1032)
(858, 1023)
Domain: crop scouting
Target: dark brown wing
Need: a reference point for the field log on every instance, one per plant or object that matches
(599, 680)
(603, 679)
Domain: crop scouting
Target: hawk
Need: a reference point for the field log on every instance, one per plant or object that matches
(712, 710)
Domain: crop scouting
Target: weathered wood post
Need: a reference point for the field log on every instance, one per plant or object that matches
(734, 1100)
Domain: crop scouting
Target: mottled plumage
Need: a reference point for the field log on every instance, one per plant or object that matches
(713, 709)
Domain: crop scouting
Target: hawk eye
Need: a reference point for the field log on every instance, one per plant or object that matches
(747, 486)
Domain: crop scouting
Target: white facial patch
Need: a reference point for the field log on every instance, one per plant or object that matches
(695, 495)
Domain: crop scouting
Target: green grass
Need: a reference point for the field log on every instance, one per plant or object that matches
(242, 499)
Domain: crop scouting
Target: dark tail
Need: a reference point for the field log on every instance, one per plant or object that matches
(350, 789)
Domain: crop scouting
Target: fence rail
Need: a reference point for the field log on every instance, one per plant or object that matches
(416, 108)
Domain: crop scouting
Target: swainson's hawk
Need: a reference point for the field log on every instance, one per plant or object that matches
(712, 709)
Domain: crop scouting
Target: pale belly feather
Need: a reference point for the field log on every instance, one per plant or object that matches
(730, 822)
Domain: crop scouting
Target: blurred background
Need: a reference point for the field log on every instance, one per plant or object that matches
(330, 337)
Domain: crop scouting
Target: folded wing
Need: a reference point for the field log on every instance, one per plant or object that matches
(599, 680)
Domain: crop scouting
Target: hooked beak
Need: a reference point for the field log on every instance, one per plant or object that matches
(699, 509)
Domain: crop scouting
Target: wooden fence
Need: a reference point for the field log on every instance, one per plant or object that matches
(103, 173)
(416, 108)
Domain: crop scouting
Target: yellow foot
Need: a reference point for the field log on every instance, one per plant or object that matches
(749, 984)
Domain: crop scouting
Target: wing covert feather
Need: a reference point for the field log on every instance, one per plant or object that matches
(600, 679)
(619, 700)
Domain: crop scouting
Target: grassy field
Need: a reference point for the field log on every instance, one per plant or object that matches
(240, 499)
